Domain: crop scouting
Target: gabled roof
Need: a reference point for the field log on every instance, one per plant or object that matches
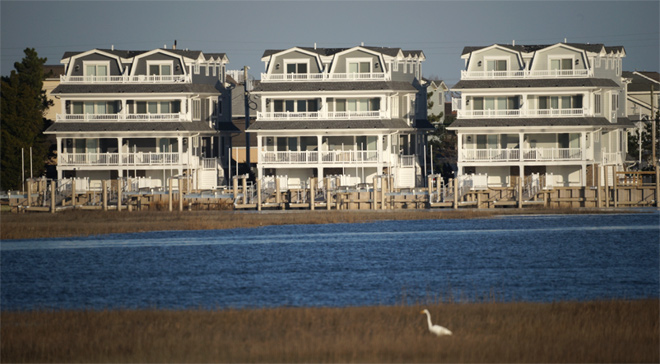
(642, 81)
(392, 52)
(594, 48)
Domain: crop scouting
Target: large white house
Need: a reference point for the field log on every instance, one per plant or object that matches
(347, 111)
(153, 114)
(556, 110)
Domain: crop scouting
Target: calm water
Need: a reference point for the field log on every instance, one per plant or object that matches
(535, 258)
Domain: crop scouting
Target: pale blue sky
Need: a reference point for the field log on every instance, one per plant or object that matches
(244, 29)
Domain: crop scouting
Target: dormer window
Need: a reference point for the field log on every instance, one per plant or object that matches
(359, 66)
(561, 64)
(496, 65)
(160, 69)
(297, 67)
(96, 70)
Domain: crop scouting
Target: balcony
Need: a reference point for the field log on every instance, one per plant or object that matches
(121, 117)
(113, 159)
(323, 157)
(528, 155)
(126, 79)
(520, 74)
(321, 115)
(320, 77)
(523, 113)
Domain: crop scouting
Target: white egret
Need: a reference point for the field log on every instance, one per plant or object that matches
(437, 330)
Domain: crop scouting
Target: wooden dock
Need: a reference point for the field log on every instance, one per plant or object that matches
(628, 189)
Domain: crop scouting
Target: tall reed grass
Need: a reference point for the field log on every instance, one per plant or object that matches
(577, 332)
(85, 223)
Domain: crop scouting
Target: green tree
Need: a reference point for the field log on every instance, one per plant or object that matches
(22, 121)
(442, 143)
(647, 146)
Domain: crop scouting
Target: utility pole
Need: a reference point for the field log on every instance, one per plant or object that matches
(247, 117)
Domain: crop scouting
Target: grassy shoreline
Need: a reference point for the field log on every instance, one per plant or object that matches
(86, 223)
(597, 331)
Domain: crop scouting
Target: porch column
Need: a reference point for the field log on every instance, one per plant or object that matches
(521, 141)
(263, 105)
(523, 105)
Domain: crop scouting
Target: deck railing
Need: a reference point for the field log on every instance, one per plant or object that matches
(127, 79)
(324, 157)
(472, 75)
(508, 113)
(121, 117)
(293, 77)
(318, 115)
(534, 154)
(112, 159)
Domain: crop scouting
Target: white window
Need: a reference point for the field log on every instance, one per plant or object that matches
(96, 70)
(358, 65)
(196, 68)
(496, 65)
(296, 66)
(215, 71)
(615, 102)
(561, 63)
(396, 65)
(160, 68)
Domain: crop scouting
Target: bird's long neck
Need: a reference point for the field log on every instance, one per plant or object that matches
(428, 317)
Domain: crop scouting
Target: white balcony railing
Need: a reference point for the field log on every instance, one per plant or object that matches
(121, 117)
(552, 154)
(127, 79)
(490, 155)
(323, 157)
(113, 159)
(534, 154)
(480, 75)
(319, 115)
(293, 77)
(515, 113)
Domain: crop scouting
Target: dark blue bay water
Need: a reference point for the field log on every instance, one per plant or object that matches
(531, 258)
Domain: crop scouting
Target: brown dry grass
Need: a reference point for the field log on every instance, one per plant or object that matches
(85, 223)
(604, 331)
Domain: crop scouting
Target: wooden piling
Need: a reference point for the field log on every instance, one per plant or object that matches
(171, 194)
(328, 196)
(29, 192)
(614, 187)
(607, 182)
(311, 193)
(657, 186)
(73, 193)
(277, 192)
(455, 182)
(180, 195)
(258, 194)
(119, 187)
(245, 196)
(53, 187)
(520, 193)
(104, 195)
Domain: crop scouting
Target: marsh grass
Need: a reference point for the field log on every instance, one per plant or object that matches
(603, 331)
(86, 223)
